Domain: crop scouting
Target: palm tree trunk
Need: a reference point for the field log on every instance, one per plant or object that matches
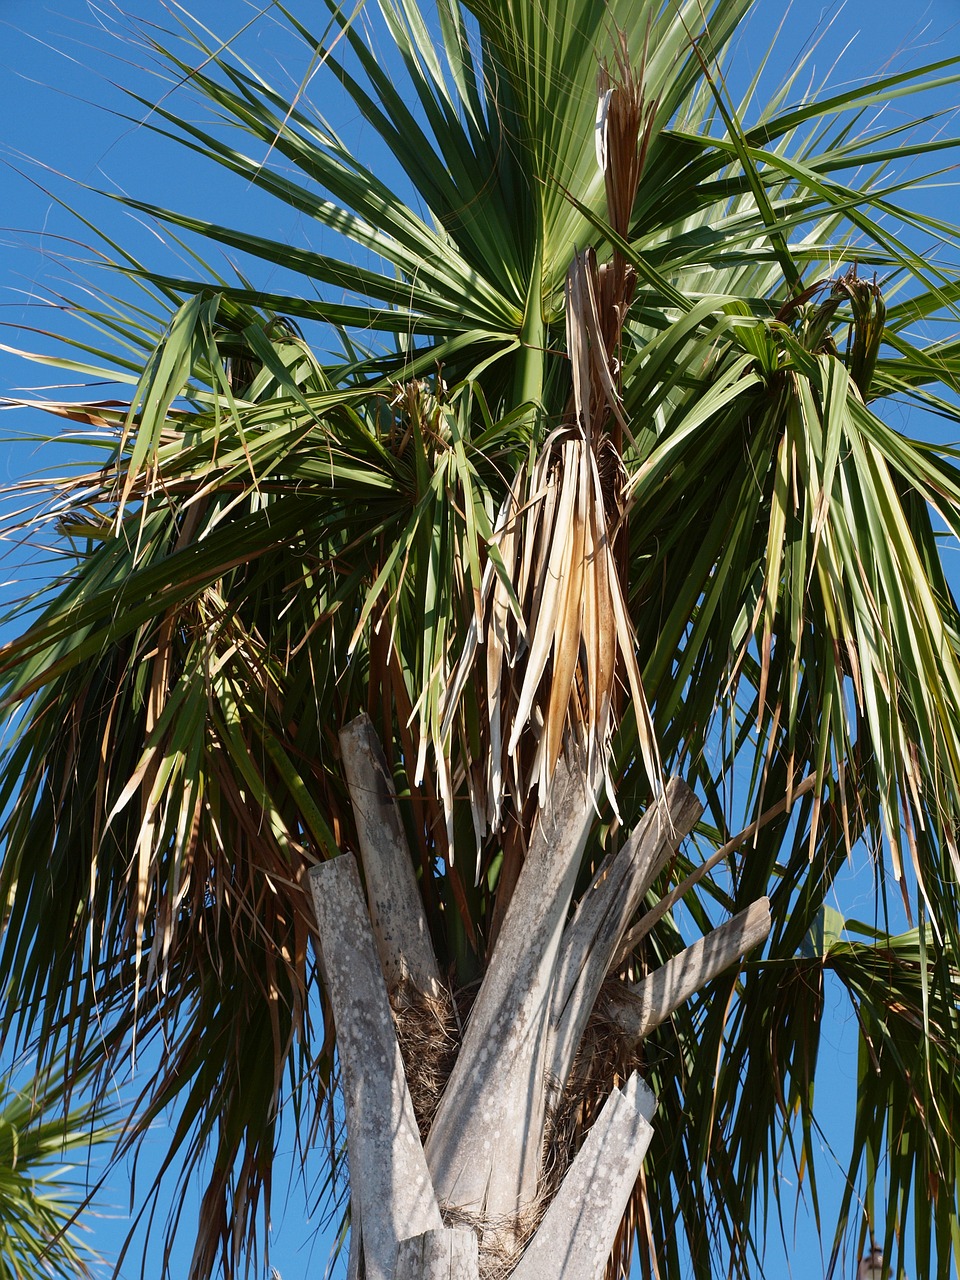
(471, 1202)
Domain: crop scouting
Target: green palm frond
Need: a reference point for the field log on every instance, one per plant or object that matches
(906, 995)
(41, 1198)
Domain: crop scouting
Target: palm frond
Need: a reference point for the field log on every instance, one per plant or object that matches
(42, 1200)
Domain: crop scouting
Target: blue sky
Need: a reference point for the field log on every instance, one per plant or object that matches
(59, 64)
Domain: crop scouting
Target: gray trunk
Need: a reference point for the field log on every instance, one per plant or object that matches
(472, 1202)
(577, 1233)
(449, 1254)
(389, 1176)
(396, 908)
(485, 1145)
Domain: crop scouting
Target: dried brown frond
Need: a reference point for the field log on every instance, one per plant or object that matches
(625, 121)
(552, 618)
(552, 673)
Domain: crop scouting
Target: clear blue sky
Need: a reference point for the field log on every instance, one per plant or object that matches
(58, 65)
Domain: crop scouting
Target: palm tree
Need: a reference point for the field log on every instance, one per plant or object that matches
(39, 1201)
(572, 460)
